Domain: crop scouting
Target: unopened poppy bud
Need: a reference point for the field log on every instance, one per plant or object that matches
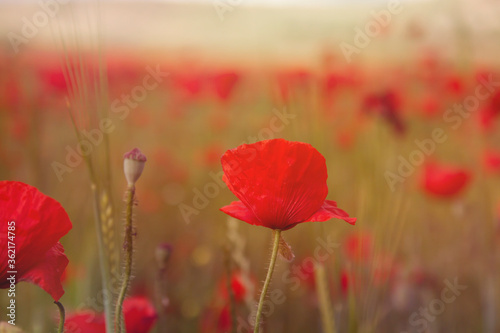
(133, 164)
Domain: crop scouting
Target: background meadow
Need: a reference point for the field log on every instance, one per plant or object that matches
(186, 82)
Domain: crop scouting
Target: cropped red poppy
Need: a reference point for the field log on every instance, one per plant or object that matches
(224, 84)
(239, 288)
(444, 180)
(358, 246)
(85, 321)
(280, 184)
(138, 312)
(491, 161)
(40, 222)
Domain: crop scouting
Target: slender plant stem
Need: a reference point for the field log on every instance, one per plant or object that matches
(232, 302)
(62, 317)
(129, 251)
(270, 270)
(105, 278)
(327, 316)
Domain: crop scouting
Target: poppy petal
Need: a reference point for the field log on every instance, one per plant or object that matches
(47, 272)
(85, 321)
(241, 212)
(443, 180)
(40, 222)
(281, 182)
(140, 315)
(330, 210)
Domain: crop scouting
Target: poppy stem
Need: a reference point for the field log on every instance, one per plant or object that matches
(232, 303)
(325, 307)
(62, 317)
(129, 250)
(270, 270)
(105, 274)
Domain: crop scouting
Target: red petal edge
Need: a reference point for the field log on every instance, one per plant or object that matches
(330, 210)
(241, 212)
(47, 273)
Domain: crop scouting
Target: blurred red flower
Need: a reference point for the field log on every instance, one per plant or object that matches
(359, 246)
(349, 282)
(238, 287)
(189, 83)
(454, 85)
(139, 314)
(280, 184)
(52, 79)
(85, 322)
(444, 180)
(224, 320)
(491, 161)
(292, 80)
(224, 84)
(39, 223)
(388, 105)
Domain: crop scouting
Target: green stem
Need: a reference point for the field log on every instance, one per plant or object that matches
(270, 270)
(107, 299)
(325, 306)
(62, 316)
(128, 247)
(232, 302)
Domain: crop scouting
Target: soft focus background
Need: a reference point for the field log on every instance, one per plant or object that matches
(367, 83)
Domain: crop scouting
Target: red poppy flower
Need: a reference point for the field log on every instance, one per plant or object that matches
(359, 246)
(444, 180)
(491, 161)
(349, 282)
(85, 322)
(238, 287)
(486, 118)
(40, 222)
(280, 184)
(190, 83)
(224, 320)
(224, 84)
(455, 85)
(52, 78)
(388, 105)
(139, 314)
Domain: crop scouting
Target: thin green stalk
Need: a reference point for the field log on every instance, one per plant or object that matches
(325, 306)
(270, 270)
(105, 278)
(128, 247)
(232, 302)
(62, 317)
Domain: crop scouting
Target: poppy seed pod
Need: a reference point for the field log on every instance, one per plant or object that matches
(133, 164)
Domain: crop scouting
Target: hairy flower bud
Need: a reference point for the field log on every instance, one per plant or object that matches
(133, 164)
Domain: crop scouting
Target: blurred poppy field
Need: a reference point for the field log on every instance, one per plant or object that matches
(390, 110)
